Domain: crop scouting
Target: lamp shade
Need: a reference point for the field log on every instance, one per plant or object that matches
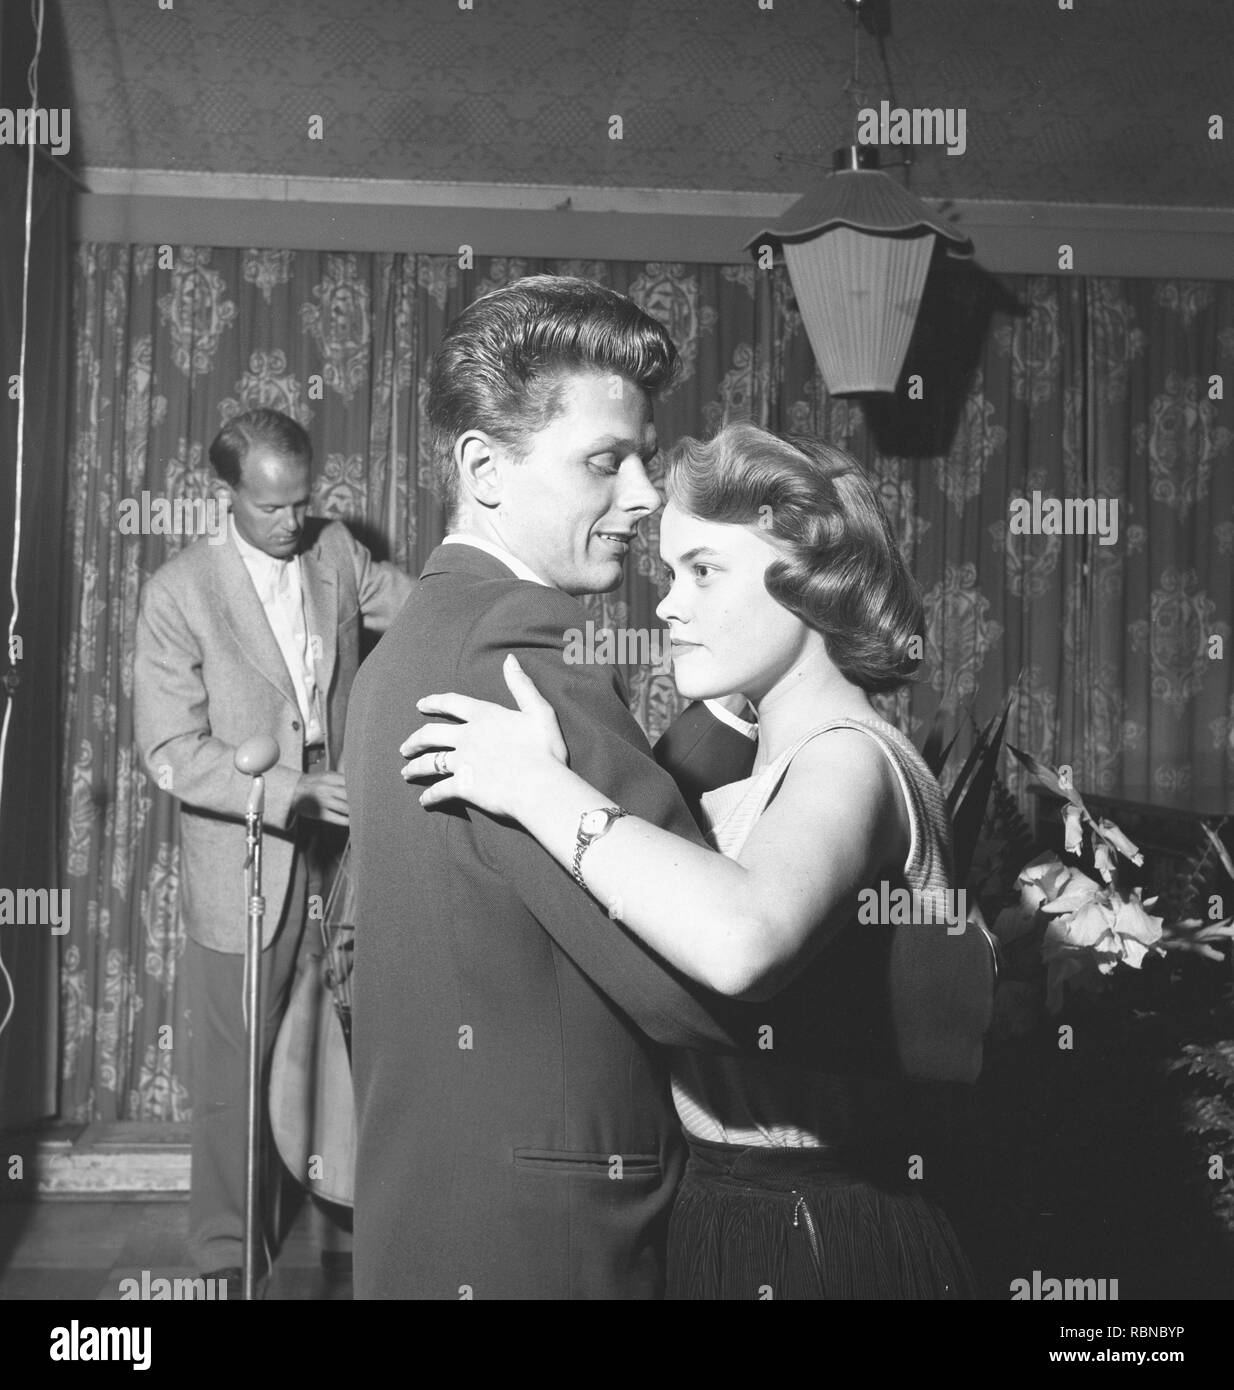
(859, 295)
(858, 251)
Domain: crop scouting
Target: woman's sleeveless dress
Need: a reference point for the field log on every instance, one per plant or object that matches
(802, 1184)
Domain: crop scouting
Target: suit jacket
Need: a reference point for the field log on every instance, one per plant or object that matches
(208, 674)
(702, 753)
(516, 1134)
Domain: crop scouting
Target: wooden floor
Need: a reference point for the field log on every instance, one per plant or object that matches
(81, 1249)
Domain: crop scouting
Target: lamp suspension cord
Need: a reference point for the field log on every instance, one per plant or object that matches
(854, 85)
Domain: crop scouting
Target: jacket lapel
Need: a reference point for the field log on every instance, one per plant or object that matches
(244, 615)
(320, 587)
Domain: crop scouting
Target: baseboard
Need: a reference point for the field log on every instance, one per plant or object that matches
(116, 1161)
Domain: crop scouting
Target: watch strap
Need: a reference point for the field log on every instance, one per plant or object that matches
(582, 839)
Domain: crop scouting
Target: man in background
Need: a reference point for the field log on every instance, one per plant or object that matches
(259, 635)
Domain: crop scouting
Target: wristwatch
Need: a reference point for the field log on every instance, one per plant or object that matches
(591, 825)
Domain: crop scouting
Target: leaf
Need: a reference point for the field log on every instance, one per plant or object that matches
(980, 746)
(1195, 948)
(1216, 930)
(1187, 884)
(1222, 853)
(933, 753)
(1208, 1115)
(969, 814)
(1048, 777)
(1208, 1059)
(1192, 929)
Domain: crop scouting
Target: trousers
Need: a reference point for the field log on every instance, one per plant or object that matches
(219, 1057)
(219, 1069)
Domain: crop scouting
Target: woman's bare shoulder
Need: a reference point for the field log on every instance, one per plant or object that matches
(844, 772)
(845, 748)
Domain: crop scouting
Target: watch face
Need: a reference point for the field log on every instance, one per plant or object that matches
(592, 822)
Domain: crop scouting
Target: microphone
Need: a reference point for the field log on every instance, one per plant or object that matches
(257, 755)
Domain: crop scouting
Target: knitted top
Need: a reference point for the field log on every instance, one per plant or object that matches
(759, 1103)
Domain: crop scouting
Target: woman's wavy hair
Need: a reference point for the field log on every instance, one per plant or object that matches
(841, 571)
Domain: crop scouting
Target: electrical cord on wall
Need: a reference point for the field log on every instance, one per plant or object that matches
(32, 83)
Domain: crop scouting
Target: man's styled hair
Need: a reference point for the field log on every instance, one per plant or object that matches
(501, 365)
(841, 572)
(262, 428)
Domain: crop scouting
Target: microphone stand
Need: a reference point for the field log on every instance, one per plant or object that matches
(254, 757)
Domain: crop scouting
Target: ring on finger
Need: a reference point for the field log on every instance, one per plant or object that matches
(439, 764)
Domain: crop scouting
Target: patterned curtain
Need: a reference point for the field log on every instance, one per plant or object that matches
(1056, 385)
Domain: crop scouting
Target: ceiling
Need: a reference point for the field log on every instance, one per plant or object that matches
(1105, 103)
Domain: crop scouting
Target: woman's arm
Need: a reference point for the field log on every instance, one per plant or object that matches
(742, 927)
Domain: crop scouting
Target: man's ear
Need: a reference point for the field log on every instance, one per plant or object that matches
(476, 458)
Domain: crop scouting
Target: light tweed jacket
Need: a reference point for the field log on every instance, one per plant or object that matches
(208, 674)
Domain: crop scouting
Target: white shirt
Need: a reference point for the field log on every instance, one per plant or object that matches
(279, 587)
(734, 721)
(498, 552)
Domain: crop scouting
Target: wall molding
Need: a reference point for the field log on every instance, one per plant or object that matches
(149, 206)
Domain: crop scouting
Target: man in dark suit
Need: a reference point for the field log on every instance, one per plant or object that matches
(516, 1135)
(257, 635)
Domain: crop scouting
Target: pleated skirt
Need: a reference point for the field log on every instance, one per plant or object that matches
(768, 1223)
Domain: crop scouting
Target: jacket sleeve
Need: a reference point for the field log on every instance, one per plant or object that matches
(606, 747)
(381, 587)
(172, 719)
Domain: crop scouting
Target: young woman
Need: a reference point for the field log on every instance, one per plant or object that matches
(787, 589)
